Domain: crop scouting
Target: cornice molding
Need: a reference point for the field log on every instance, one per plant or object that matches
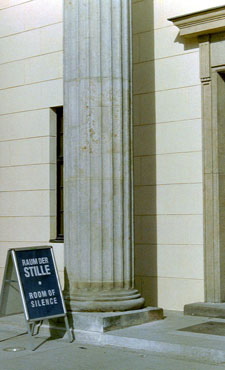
(200, 23)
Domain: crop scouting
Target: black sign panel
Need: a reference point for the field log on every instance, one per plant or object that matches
(42, 292)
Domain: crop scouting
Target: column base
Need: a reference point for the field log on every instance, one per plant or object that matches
(205, 309)
(104, 301)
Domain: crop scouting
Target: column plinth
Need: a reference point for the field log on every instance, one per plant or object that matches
(105, 301)
(98, 232)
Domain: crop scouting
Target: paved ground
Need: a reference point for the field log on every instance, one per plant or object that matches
(55, 355)
(165, 348)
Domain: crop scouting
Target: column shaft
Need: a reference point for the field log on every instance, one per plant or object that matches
(98, 157)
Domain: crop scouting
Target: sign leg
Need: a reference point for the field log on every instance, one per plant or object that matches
(30, 329)
(69, 333)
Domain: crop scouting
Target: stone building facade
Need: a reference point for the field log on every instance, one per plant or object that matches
(178, 90)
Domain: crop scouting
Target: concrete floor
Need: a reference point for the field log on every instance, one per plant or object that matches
(153, 346)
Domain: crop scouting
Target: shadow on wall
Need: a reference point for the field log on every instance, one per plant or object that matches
(144, 153)
(189, 44)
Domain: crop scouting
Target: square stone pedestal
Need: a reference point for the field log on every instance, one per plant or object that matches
(205, 309)
(101, 322)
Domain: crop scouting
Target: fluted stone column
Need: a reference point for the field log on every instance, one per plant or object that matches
(99, 269)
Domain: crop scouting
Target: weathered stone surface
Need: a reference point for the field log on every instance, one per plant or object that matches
(205, 309)
(101, 322)
(99, 273)
(164, 337)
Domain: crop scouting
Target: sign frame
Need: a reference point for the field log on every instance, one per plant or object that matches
(30, 322)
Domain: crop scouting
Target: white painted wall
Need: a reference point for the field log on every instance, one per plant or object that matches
(31, 51)
(167, 141)
(168, 155)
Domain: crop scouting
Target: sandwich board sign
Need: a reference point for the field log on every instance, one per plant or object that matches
(31, 285)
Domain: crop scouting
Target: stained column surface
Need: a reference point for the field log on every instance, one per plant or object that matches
(98, 157)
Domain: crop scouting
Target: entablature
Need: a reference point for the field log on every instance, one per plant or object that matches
(201, 23)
